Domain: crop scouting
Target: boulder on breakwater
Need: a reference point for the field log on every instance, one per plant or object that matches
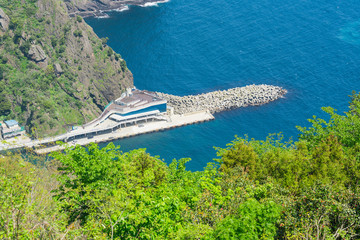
(217, 101)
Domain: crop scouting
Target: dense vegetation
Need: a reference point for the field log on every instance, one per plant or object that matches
(269, 189)
(54, 71)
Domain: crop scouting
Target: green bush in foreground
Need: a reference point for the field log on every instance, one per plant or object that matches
(254, 220)
(268, 189)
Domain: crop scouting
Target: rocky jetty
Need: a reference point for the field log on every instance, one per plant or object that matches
(217, 101)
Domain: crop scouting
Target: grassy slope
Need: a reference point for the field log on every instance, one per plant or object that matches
(32, 92)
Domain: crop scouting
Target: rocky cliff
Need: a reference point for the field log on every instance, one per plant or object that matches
(54, 70)
(4, 22)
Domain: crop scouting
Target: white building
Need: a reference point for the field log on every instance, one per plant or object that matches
(11, 128)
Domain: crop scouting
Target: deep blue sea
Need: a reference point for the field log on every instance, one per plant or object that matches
(311, 48)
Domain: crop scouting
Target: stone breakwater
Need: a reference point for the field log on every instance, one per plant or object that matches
(217, 101)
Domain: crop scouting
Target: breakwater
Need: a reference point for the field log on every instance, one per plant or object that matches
(217, 101)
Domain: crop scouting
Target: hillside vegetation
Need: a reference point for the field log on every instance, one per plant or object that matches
(54, 70)
(269, 189)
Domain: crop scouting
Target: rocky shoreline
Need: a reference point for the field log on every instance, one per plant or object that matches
(217, 101)
(98, 8)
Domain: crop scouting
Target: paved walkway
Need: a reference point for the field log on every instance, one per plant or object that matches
(172, 122)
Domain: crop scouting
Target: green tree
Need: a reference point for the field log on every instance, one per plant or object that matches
(321, 212)
(5, 105)
(110, 52)
(104, 41)
(254, 220)
(15, 186)
(238, 153)
(83, 174)
(123, 65)
(79, 18)
(345, 127)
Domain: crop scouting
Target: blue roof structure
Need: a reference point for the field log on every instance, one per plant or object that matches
(11, 123)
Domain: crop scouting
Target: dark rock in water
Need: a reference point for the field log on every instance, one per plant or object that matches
(4, 21)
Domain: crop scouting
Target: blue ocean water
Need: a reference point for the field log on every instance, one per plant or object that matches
(311, 48)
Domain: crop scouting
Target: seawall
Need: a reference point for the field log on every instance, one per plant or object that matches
(217, 101)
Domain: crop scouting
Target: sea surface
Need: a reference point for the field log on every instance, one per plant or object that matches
(311, 48)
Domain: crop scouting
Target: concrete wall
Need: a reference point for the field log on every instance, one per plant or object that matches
(160, 107)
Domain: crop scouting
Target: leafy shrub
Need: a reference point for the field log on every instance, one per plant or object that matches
(109, 52)
(254, 220)
(104, 40)
(78, 33)
(79, 18)
(25, 47)
(123, 65)
(5, 105)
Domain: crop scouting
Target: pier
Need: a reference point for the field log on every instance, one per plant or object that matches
(173, 122)
(140, 112)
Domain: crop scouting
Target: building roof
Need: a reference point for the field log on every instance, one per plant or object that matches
(138, 96)
(11, 123)
(120, 118)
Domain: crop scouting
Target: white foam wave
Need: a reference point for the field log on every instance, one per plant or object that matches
(126, 8)
(103, 16)
(153, 4)
(122, 9)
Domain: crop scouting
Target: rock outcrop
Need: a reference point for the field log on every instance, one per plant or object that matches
(36, 53)
(4, 21)
(88, 8)
(58, 70)
(251, 95)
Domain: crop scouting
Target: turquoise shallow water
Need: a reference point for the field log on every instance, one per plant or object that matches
(311, 48)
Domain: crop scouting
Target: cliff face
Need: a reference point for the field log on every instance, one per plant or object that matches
(54, 70)
(4, 21)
